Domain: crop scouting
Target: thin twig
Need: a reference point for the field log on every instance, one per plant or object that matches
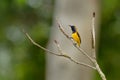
(62, 53)
(102, 75)
(58, 46)
(84, 53)
(81, 63)
(51, 52)
(33, 42)
(93, 36)
(93, 60)
(81, 50)
(93, 30)
(62, 30)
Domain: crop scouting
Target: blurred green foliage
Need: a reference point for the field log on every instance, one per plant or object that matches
(19, 59)
(109, 46)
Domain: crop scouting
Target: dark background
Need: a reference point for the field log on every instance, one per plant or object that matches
(20, 60)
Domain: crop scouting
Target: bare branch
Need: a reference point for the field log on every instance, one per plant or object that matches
(61, 29)
(93, 35)
(93, 49)
(84, 53)
(81, 63)
(102, 75)
(93, 60)
(81, 50)
(70, 58)
(51, 52)
(34, 43)
(58, 46)
(62, 54)
(93, 30)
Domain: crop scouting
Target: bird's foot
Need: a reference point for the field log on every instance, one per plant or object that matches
(75, 43)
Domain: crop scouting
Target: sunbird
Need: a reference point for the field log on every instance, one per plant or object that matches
(75, 35)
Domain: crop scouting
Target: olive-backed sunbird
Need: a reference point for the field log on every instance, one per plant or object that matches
(75, 35)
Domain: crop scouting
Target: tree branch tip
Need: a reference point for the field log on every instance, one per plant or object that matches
(57, 20)
(93, 14)
(23, 30)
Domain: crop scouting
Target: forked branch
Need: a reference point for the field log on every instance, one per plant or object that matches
(92, 59)
(60, 54)
(63, 54)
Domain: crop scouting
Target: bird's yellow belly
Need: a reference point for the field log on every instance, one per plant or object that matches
(76, 38)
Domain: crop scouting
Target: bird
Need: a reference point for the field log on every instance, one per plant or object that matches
(75, 35)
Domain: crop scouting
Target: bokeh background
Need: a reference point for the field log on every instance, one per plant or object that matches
(20, 60)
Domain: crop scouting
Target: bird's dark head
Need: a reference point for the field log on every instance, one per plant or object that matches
(73, 28)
